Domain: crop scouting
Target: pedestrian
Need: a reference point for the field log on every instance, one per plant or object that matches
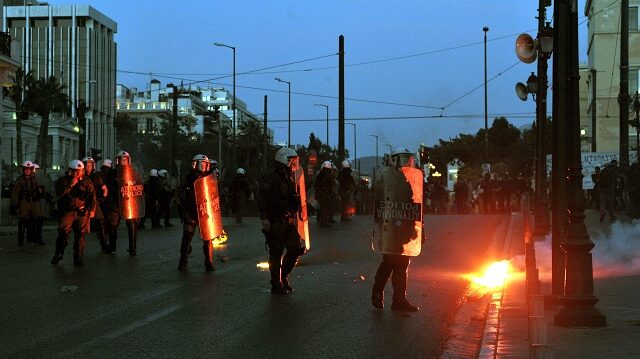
(280, 205)
(486, 194)
(116, 205)
(76, 206)
(595, 192)
(188, 211)
(461, 195)
(25, 203)
(607, 187)
(324, 188)
(97, 221)
(240, 191)
(165, 195)
(345, 191)
(400, 232)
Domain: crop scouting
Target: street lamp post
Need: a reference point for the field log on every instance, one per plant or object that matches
(390, 148)
(233, 104)
(355, 146)
(486, 115)
(326, 108)
(376, 166)
(289, 132)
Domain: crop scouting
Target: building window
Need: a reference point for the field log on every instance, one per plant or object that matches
(633, 18)
(633, 81)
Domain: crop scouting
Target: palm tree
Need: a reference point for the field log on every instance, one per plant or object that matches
(250, 142)
(18, 94)
(46, 96)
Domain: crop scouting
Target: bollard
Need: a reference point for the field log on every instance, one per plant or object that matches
(538, 347)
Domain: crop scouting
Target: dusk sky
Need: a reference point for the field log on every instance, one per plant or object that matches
(433, 52)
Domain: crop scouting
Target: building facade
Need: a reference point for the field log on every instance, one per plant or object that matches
(75, 44)
(601, 124)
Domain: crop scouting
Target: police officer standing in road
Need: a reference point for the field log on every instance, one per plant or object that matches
(101, 193)
(240, 191)
(151, 192)
(346, 189)
(114, 206)
(76, 206)
(189, 213)
(25, 202)
(165, 194)
(324, 187)
(398, 215)
(279, 204)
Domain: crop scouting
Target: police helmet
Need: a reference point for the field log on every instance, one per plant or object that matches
(76, 165)
(88, 159)
(327, 164)
(123, 158)
(163, 173)
(200, 163)
(107, 163)
(285, 154)
(405, 157)
(27, 164)
(153, 172)
(346, 164)
(240, 171)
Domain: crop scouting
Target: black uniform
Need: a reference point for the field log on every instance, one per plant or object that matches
(25, 204)
(279, 203)
(324, 188)
(240, 192)
(97, 222)
(75, 202)
(165, 195)
(347, 187)
(189, 214)
(151, 194)
(111, 211)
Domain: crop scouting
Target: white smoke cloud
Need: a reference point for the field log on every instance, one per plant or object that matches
(616, 252)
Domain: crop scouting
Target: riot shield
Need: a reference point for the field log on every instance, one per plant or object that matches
(131, 196)
(303, 219)
(398, 210)
(208, 204)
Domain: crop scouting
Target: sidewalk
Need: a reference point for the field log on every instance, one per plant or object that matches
(616, 258)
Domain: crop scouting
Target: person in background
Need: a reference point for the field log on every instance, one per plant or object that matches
(345, 191)
(24, 202)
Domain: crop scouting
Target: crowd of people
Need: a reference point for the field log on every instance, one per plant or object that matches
(615, 188)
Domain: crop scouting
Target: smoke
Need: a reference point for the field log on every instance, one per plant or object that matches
(616, 252)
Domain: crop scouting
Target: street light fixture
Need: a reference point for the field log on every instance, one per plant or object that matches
(326, 108)
(289, 133)
(233, 105)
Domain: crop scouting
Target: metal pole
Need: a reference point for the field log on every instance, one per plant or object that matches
(594, 111)
(341, 98)
(636, 107)
(289, 131)
(623, 96)
(234, 91)
(486, 115)
(541, 211)
(266, 134)
(578, 300)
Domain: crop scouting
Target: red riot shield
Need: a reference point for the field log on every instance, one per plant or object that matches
(208, 204)
(398, 210)
(303, 219)
(131, 188)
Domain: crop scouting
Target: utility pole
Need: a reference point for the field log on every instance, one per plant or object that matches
(341, 98)
(594, 111)
(623, 96)
(174, 126)
(266, 135)
(486, 115)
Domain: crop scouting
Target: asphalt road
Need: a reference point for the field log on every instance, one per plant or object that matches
(134, 307)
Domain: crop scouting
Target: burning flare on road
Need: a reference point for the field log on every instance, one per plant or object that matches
(263, 265)
(493, 277)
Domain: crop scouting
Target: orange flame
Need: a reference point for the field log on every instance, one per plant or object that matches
(493, 277)
(220, 240)
(263, 265)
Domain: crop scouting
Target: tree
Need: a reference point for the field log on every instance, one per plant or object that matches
(18, 94)
(46, 96)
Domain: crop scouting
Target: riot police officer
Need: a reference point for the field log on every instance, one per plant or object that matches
(76, 206)
(165, 194)
(279, 205)
(398, 214)
(325, 188)
(25, 203)
(112, 208)
(346, 189)
(189, 213)
(240, 191)
(101, 193)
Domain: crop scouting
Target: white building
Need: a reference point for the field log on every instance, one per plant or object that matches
(74, 43)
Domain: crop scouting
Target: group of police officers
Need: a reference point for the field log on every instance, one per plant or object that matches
(102, 199)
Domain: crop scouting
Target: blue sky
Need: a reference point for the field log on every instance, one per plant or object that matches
(441, 40)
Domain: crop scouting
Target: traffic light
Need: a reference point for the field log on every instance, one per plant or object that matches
(96, 154)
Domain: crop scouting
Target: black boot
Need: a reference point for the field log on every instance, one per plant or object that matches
(276, 283)
(382, 276)
(185, 250)
(288, 263)
(399, 282)
(207, 249)
(104, 246)
(113, 238)
(78, 252)
(132, 231)
(60, 245)
(22, 227)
